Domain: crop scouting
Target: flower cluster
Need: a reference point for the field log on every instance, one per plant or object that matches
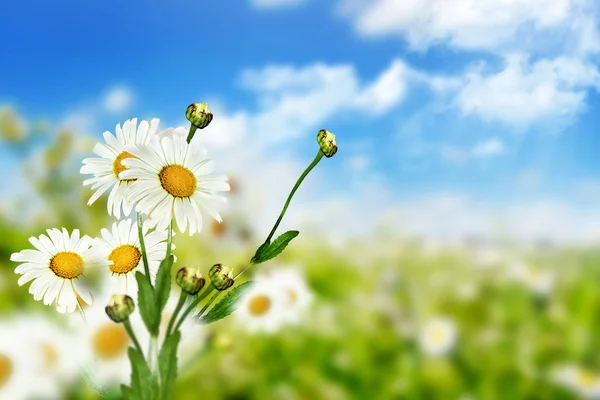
(169, 183)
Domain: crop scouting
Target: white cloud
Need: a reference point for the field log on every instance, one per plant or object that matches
(529, 179)
(490, 147)
(358, 163)
(275, 3)
(489, 25)
(524, 93)
(294, 100)
(117, 100)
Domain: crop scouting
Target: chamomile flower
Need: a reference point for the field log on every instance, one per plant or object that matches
(107, 167)
(121, 247)
(295, 291)
(438, 336)
(172, 179)
(262, 308)
(58, 268)
(581, 380)
(540, 281)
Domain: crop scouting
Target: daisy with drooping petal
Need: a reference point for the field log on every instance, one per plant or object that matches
(58, 267)
(172, 179)
(121, 247)
(107, 167)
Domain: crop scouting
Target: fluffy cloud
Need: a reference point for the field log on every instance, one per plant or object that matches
(117, 100)
(478, 24)
(294, 100)
(525, 93)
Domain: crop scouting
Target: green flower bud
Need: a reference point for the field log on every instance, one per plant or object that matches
(221, 276)
(120, 307)
(326, 141)
(190, 280)
(199, 115)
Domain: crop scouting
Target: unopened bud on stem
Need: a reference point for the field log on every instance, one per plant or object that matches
(190, 280)
(326, 141)
(199, 115)
(221, 277)
(120, 307)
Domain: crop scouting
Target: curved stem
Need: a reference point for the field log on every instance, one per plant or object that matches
(193, 305)
(208, 304)
(296, 186)
(180, 304)
(143, 247)
(131, 333)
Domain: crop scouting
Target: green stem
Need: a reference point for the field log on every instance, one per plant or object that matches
(152, 354)
(243, 270)
(143, 247)
(296, 186)
(191, 134)
(129, 329)
(193, 305)
(182, 299)
(208, 304)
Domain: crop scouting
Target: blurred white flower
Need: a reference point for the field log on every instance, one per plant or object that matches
(122, 249)
(263, 307)
(173, 179)
(297, 294)
(58, 268)
(487, 256)
(581, 380)
(102, 344)
(539, 281)
(107, 167)
(438, 336)
(22, 363)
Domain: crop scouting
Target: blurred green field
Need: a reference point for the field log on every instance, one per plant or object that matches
(522, 314)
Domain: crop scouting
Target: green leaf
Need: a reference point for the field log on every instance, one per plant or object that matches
(167, 364)
(125, 392)
(147, 304)
(163, 283)
(227, 305)
(257, 256)
(142, 384)
(275, 248)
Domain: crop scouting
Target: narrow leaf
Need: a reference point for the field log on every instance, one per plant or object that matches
(126, 392)
(141, 377)
(257, 256)
(163, 283)
(167, 364)
(276, 247)
(147, 303)
(227, 305)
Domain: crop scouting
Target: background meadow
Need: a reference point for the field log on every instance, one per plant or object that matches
(449, 250)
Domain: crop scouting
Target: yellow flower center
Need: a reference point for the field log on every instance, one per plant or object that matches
(118, 166)
(259, 305)
(6, 369)
(67, 265)
(110, 341)
(124, 258)
(586, 378)
(437, 335)
(49, 355)
(178, 181)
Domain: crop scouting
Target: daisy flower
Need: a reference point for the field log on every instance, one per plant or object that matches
(297, 295)
(262, 307)
(583, 381)
(172, 179)
(121, 247)
(107, 167)
(438, 337)
(58, 268)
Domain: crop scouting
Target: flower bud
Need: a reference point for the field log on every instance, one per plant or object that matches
(326, 141)
(120, 307)
(221, 276)
(199, 115)
(190, 280)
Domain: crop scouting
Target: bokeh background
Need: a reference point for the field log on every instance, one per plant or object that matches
(449, 250)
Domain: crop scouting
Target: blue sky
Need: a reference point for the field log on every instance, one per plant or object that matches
(475, 109)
